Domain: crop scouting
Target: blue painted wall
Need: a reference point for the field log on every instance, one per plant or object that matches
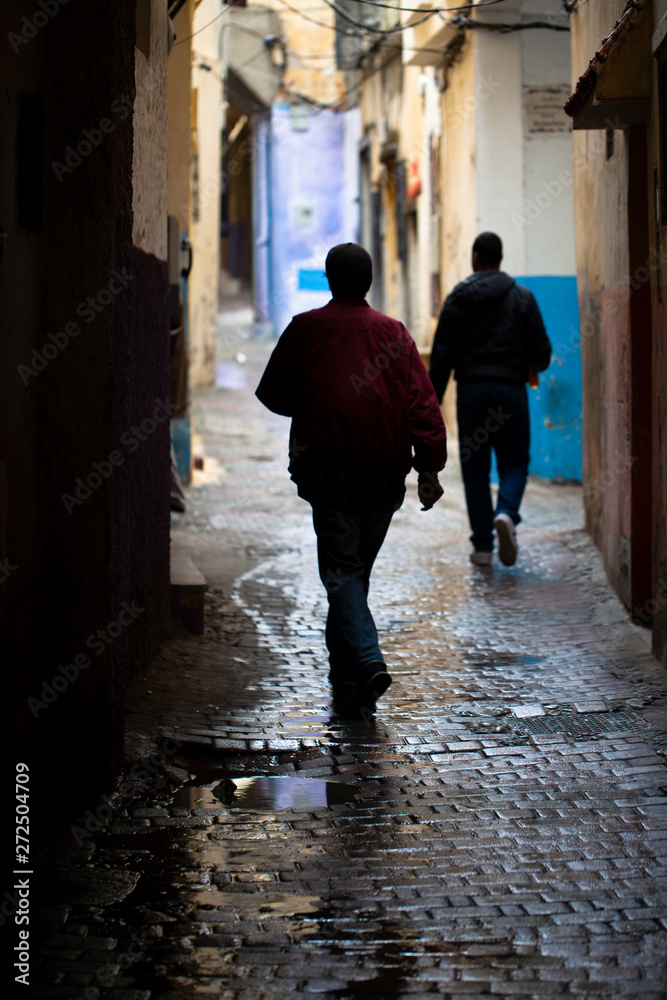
(307, 201)
(555, 406)
(181, 427)
(261, 166)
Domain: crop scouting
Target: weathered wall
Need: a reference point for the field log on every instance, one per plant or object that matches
(180, 125)
(623, 322)
(658, 608)
(459, 186)
(149, 168)
(205, 228)
(459, 167)
(603, 268)
(310, 63)
(420, 127)
(381, 102)
(83, 358)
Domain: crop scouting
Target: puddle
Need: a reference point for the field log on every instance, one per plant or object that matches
(269, 792)
(211, 897)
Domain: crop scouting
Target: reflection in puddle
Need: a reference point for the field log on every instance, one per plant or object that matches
(208, 897)
(266, 792)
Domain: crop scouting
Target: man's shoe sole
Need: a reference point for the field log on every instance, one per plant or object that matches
(507, 547)
(374, 688)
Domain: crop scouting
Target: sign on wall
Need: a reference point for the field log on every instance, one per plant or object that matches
(544, 108)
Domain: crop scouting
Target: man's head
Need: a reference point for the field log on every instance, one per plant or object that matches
(349, 270)
(487, 252)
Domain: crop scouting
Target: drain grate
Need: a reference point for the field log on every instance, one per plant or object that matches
(580, 723)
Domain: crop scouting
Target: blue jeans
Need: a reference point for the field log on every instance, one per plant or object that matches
(492, 415)
(347, 543)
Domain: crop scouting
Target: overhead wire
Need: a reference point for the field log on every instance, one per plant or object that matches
(374, 3)
(433, 10)
(404, 27)
(347, 32)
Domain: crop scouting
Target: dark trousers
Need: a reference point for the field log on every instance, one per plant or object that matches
(347, 543)
(492, 415)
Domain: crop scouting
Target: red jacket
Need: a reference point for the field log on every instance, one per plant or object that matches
(357, 391)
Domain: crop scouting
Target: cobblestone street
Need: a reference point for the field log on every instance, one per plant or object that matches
(499, 829)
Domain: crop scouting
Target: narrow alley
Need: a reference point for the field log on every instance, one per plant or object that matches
(498, 829)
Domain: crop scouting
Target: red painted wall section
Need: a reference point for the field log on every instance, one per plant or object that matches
(619, 192)
(616, 448)
(659, 447)
(606, 426)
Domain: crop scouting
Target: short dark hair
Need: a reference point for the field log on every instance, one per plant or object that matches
(349, 271)
(489, 248)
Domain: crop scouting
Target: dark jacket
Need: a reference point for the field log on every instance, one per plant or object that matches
(357, 391)
(489, 328)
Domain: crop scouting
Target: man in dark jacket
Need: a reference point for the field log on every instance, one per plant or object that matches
(491, 334)
(363, 414)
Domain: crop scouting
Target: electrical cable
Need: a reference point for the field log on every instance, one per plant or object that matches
(467, 22)
(417, 10)
(203, 28)
(378, 31)
(306, 17)
(355, 86)
(359, 24)
(432, 10)
(386, 31)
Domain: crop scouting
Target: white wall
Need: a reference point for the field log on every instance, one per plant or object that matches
(500, 146)
(548, 211)
(525, 189)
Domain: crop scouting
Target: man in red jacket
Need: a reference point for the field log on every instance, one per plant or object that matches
(363, 414)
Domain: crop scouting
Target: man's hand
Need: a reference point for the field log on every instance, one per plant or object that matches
(429, 489)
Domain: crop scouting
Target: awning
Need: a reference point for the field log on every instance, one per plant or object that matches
(615, 90)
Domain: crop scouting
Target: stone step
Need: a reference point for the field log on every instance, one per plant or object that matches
(188, 588)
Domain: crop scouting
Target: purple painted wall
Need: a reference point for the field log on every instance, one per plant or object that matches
(308, 207)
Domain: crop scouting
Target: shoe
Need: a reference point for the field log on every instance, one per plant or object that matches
(363, 695)
(507, 546)
(480, 558)
(375, 686)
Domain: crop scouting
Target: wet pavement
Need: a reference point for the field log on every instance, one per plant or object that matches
(498, 830)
